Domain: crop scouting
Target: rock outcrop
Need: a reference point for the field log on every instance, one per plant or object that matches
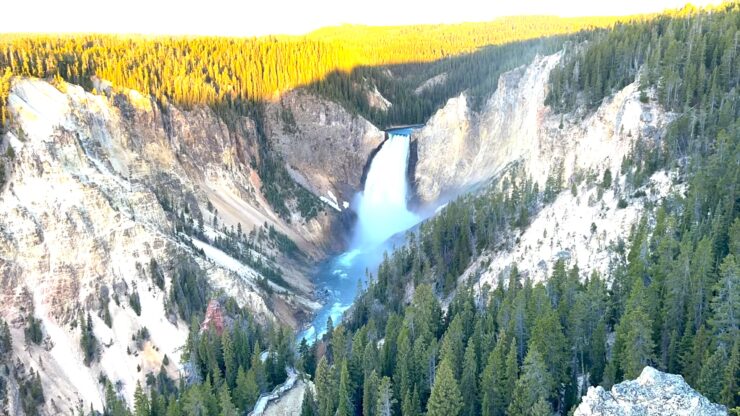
(459, 147)
(325, 147)
(652, 393)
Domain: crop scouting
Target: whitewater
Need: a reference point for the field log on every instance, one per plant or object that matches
(382, 213)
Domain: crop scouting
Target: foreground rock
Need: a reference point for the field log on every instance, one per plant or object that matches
(653, 393)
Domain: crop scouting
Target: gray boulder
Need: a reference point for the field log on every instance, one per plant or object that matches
(653, 393)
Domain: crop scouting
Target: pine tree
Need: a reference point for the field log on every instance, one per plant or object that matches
(639, 352)
(508, 384)
(702, 265)
(326, 389)
(308, 407)
(710, 379)
(541, 408)
(726, 304)
(495, 382)
(141, 402)
(174, 407)
(258, 368)
(730, 394)
(385, 401)
(157, 404)
(634, 347)
(369, 394)
(246, 391)
(598, 352)
(344, 407)
(195, 400)
(227, 406)
(230, 362)
(548, 339)
(308, 358)
(469, 382)
(402, 373)
(452, 346)
(6, 340)
(411, 405)
(534, 384)
(113, 405)
(445, 399)
(694, 356)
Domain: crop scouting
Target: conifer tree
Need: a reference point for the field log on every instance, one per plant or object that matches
(548, 339)
(541, 408)
(308, 407)
(141, 402)
(344, 406)
(725, 319)
(326, 389)
(385, 401)
(230, 363)
(258, 368)
(225, 403)
(246, 391)
(369, 394)
(508, 384)
(694, 356)
(730, 394)
(598, 352)
(452, 346)
(710, 378)
(469, 381)
(411, 405)
(634, 345)
(492, 397)
(446, 399)
(534, 384)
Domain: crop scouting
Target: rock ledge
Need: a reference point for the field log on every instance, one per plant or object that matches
(653, 393)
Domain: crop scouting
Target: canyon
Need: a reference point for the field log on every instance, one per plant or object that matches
(109, 189)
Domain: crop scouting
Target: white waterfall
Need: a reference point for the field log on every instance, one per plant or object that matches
(381, 213)
(382, 210)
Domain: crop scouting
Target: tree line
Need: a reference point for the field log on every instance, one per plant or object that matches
(226, 72)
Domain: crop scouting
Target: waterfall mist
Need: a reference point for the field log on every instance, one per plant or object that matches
(381, 207)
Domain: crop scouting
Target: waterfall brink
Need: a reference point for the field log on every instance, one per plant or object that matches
(382, 210)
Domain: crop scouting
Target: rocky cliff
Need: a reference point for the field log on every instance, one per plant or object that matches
(459, 146)
(653, 393)
(325, 147)
(105, 193)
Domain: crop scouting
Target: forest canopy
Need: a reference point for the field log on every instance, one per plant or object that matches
(214, 70)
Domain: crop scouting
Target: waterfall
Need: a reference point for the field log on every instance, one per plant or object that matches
(381, 213)
(382, 210)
